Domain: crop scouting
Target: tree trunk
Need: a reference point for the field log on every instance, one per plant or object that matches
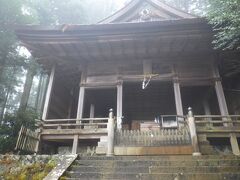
(5, 99)
(2, 65)
(27, 87)
(4, 105)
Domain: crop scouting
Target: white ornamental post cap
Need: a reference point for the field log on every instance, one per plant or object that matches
(110, 113)
(190, 112)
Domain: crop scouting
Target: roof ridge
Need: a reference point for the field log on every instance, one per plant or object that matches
(164, 7)
(177, 9)
(130, 2)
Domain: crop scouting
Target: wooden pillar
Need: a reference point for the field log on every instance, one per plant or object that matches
(206, 107)
(91, 115)
(193, 132)
(178, 98)
(110, 127)
(221, 98)
(80, 102)
(43, 93)
(207, 111)
(224, 110)
(79, 111)
(92, 111)
(75, 144)
(48, 93)
(220, 93)
(119, 105)
(70, 105)
(81, 95)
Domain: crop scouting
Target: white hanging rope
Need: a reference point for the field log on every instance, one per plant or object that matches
(146, 82)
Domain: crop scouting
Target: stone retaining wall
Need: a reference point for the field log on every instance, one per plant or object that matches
(13, 163)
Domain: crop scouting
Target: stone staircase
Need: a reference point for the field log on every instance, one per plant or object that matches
(214, 167)
(102, 146)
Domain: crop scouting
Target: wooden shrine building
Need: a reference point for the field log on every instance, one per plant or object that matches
(148, 62)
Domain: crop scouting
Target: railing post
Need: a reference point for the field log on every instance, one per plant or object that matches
(110, 128)
(75, 144)
(36, 148)
(193, 132)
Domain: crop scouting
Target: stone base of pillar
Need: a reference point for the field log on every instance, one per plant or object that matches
(234, 145)
(109, 155)
(196, 154)
(75, 144)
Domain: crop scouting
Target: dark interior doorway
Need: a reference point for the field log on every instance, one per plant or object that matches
(194, 97)
(102, 99)
(157, 99)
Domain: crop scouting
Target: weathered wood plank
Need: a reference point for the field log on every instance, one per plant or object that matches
(72, 131)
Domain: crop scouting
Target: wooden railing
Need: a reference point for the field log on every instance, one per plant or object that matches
(27, 141)
(84, 123)
(216, 125)
(229, 123)
(185, 131)
(161, 137)
(84, 126)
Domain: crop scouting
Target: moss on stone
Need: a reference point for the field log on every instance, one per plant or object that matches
(35, 171)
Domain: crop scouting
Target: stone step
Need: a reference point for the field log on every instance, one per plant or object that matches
(101, 150)
(157, 176)
(102, 144)
(155, 169)
(104, 138)
(211, 167)
(146, 163)
(160, 158)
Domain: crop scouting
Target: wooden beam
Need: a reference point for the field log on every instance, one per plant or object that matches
(99, 85)
(147, 67)
(48, 93)
(70, 137)
(73, 131)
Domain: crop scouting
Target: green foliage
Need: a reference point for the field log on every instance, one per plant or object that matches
(11, 63)
(71, 11)
(197, 7)
(36, 171)
(11, 14)
(11, 126)
(225, 18)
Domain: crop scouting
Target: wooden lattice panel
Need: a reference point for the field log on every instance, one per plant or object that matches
(152, 138)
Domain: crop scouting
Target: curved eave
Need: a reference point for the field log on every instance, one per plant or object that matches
(88, 31)
(108, 42)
